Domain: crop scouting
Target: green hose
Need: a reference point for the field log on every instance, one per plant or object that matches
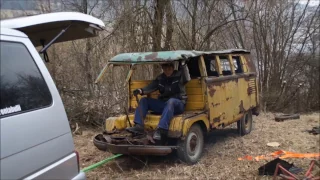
(93, 166)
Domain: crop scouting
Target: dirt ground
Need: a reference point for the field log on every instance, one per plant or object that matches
(220, 158)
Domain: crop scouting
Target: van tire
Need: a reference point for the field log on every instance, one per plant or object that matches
(244, 125)
(191, 148)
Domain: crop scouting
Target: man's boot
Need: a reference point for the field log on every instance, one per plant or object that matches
(137, 129)
(160, 134)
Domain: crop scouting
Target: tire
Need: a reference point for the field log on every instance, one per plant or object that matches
(191, 153)
(244, 125)
(286, 116)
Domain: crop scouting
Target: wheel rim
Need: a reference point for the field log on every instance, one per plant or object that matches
(193, 146)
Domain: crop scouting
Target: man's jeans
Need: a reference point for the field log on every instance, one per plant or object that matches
(168, 109)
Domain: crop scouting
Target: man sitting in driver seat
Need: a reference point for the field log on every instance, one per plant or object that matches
(171, 101)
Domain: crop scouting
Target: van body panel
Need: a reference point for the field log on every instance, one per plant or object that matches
(47, 26)
(36, 139)
(57, 169)
(39, 137)
(38, 157)
(12, 32)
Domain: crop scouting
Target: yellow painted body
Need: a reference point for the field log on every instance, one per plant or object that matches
(193, 88)
(230, 100)
(179, 125)
(212, 101)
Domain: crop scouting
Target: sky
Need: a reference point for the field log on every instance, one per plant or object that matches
(31, 4)
(311, 3)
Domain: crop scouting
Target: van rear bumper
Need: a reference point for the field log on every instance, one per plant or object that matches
(80, 176)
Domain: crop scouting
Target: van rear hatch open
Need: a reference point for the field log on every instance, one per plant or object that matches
(43, 28)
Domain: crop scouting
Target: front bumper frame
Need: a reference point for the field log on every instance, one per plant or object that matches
(132, 149)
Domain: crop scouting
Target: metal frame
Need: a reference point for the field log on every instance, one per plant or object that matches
(290, 176)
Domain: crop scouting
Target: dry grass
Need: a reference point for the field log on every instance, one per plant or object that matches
(222, 148)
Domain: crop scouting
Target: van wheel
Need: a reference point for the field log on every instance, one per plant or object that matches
(244, 125)
(190, 150)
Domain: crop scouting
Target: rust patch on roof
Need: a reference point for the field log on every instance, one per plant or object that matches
(151, 56)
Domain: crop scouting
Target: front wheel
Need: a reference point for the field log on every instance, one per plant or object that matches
(190, 150)
(244, 125)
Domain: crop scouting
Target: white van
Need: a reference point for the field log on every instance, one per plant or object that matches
(36, 139)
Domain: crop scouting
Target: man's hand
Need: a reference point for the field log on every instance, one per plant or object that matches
(184, 62)
(137, 91)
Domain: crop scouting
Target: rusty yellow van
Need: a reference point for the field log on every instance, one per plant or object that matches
(223, 90)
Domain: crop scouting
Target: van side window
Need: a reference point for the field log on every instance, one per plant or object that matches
(225, 65)
(237, 64)
(22, 87)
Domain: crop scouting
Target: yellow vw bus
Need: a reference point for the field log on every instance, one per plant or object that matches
(223, 90)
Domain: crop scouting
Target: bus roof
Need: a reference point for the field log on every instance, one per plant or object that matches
(166, 56)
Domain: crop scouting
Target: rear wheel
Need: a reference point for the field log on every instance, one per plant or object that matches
(244, 125)
(190, 150)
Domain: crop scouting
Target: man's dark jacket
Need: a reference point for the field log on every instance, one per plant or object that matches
(172, 86)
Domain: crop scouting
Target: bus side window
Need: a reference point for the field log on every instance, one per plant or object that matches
(211, 64)
(225, 65)
(237, 64)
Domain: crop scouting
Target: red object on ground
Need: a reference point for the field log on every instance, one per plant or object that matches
(282, 155)
(290, 176)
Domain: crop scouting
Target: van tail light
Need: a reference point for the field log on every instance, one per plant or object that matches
(78, 160)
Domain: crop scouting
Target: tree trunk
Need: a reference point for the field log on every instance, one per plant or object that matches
(157, 25)
(169, 29)
(157, 30)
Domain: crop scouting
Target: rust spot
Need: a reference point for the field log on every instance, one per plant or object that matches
(151, 56)
(215, 104)
(174, 134)
(241, 107)
(211, 91)
(216, 120)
